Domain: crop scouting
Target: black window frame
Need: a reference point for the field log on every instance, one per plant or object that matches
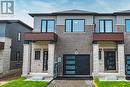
(104, 25)
(47, 24)
(72, 24)
(45, 61)
(100, 54)
(18, 36)
(18, 59)
(35, 54)
(125, 25)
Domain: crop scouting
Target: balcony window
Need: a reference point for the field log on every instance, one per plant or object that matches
(128, 25)
(105, 26)
(48, 26)
(75, 25)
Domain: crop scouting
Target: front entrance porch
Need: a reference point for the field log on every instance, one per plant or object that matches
(38, 57)
(108, 60)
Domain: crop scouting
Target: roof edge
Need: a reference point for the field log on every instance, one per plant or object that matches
(16, 21)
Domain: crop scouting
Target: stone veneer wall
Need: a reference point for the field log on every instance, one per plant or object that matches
(68, 42)
(37, 65)
(5, 55)
(120, 28)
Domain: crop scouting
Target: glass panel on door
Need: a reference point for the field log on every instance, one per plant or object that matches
(69, 64)
(128, 65)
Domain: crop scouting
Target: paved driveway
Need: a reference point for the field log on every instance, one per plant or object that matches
(71, 83)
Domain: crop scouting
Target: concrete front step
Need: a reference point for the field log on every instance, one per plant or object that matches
(71, 83)
(39, 77)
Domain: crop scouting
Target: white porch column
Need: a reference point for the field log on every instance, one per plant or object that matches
(121, 59)
(95, 59)
(51, 50)
(26, 60)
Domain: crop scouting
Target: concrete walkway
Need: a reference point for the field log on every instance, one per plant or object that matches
(71, 83)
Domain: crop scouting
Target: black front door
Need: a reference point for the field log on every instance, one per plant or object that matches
(110, 60)
(76, 65)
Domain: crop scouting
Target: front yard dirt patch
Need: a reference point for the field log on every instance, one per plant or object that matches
(8, 78)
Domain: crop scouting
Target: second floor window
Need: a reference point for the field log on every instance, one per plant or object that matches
(105, 26)
(75, 25)
(47, 26)
(127, 25)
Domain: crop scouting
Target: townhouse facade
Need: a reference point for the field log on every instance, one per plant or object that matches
(77, 43)
(11, 45)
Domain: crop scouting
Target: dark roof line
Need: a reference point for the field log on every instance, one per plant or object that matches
(80, 12)
(16, 21)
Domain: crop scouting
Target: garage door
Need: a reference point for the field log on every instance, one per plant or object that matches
(127, 64)
(76, 65)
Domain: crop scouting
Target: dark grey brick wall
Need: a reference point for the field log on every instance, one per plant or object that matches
(68, 42)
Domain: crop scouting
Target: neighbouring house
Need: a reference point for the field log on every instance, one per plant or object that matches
(11, 44)
(78, 43)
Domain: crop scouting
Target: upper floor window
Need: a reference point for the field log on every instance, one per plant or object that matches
(74, 25)
(47, 26)
(105, 26)
(19, 36)
(127, 25)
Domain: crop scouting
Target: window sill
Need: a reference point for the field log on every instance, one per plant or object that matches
(73, 32)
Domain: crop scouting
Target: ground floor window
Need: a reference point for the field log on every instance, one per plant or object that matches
(37, 54)
(45, 60)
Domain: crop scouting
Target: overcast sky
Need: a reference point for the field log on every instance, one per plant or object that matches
(23, 7)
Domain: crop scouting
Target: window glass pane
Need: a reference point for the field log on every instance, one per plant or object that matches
(18, 55)
(68, 26)
(70, 62)
(37, 55)
(128, 67)
(128, 57)
(50, 26)
(70, 67)
(128, 72)
(45, 60)
(78, 25)
(70, 72)
(43, 26)
(100, 54)
(19, 36)
(70, 57)
(108, 26)
(101, 25)
(127, 25)
(128, 62)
